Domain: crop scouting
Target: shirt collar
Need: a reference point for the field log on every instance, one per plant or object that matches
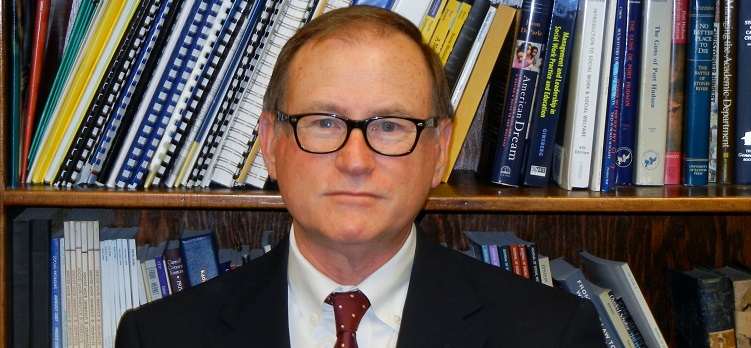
(386, 288)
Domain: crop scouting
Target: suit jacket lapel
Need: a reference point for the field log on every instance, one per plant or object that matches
(258, 309)
(438, 302)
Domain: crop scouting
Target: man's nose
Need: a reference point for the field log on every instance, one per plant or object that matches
(356, 157)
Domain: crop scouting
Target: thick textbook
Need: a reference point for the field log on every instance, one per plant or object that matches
(617, 276)
(703, 306)
(695, 160)
(549, 98)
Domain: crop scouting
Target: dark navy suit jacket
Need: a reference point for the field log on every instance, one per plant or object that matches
(452, 301)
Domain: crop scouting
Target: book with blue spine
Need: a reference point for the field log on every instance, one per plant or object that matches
(615, 83)
(624, 156)
(743, 93)
(506, 168)
(56, 291)
(200, 256)
(549, 98)
(695, 161)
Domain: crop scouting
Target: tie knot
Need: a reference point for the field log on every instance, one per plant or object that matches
(349, 308)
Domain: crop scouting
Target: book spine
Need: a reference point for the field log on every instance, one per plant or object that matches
(495, 259)
(743, 121)
(675, 91)
(443, 26)
(430, 21)
(572, 156)
(456, 60)
(523, 76)
(628, 321)
(624, 157)
(549, 96)
(728, 51)
(652, 118)
(534, 264)
(413, 10)
(456, 27)
(695, 160)
(504, 254)
(56, 293)
(615, 83)
(161, 273)
(200, 258)
(175, 270)
(603, 97)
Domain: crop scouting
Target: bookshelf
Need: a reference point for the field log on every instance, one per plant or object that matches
(651, 228)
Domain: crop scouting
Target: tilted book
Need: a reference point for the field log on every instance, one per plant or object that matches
(617, 276)
(549, 98)
(455, 61)
(571, 280)
(652, 119)
(703, 306)
(572, 154)
(695, 160)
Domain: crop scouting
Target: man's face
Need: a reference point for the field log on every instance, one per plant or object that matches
(355, 197)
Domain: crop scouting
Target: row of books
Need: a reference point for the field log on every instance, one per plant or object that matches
(712, 306)
(607, 93)
(73, 279)
(624, 313)
(169, 92)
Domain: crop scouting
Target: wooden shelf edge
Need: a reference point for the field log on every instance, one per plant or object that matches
(445, 198)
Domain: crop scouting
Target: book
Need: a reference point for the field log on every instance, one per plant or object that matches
(31, 232)
(741, 278)
(617, 153)
(457, 24)
(651, 125)
(676, 93)
(494, 37)
(465, 40)
(35, 75)
(549, 97)
(508, 159)
(607, 298)
(571, 280)
(545, 276)
(413, 10)
(703, 305)
(617, 276)
(727, 112)
(199, 253)
(572, 151)
(603, 96)
(175, 268)
(443, 26)
(695, 158)
(628, 321)
(57, 260)
(743, 93)
(431, 18)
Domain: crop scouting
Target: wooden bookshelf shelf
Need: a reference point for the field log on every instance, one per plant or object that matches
(462, 194)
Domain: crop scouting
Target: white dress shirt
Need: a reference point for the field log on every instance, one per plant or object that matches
(311, 321)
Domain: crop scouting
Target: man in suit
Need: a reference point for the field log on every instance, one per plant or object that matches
(355, 130)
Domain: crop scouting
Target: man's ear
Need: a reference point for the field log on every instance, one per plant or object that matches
(444, 139)
(267, 136)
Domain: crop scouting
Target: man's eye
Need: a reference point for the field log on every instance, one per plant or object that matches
(325, 123)
(388, 127)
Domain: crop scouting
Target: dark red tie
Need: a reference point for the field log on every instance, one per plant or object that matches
(349, 308)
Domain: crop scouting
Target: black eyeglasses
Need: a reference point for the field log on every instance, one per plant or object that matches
(385, 135)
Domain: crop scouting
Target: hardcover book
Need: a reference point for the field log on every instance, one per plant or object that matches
(507, 164)
(727, 113)
(607, 298)
(743, 119)
(549, 98)
(200, 256)
(617, 276)
(676, 92)
(695, 159)
(703, 306)
(741, 278)
(652, 119)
